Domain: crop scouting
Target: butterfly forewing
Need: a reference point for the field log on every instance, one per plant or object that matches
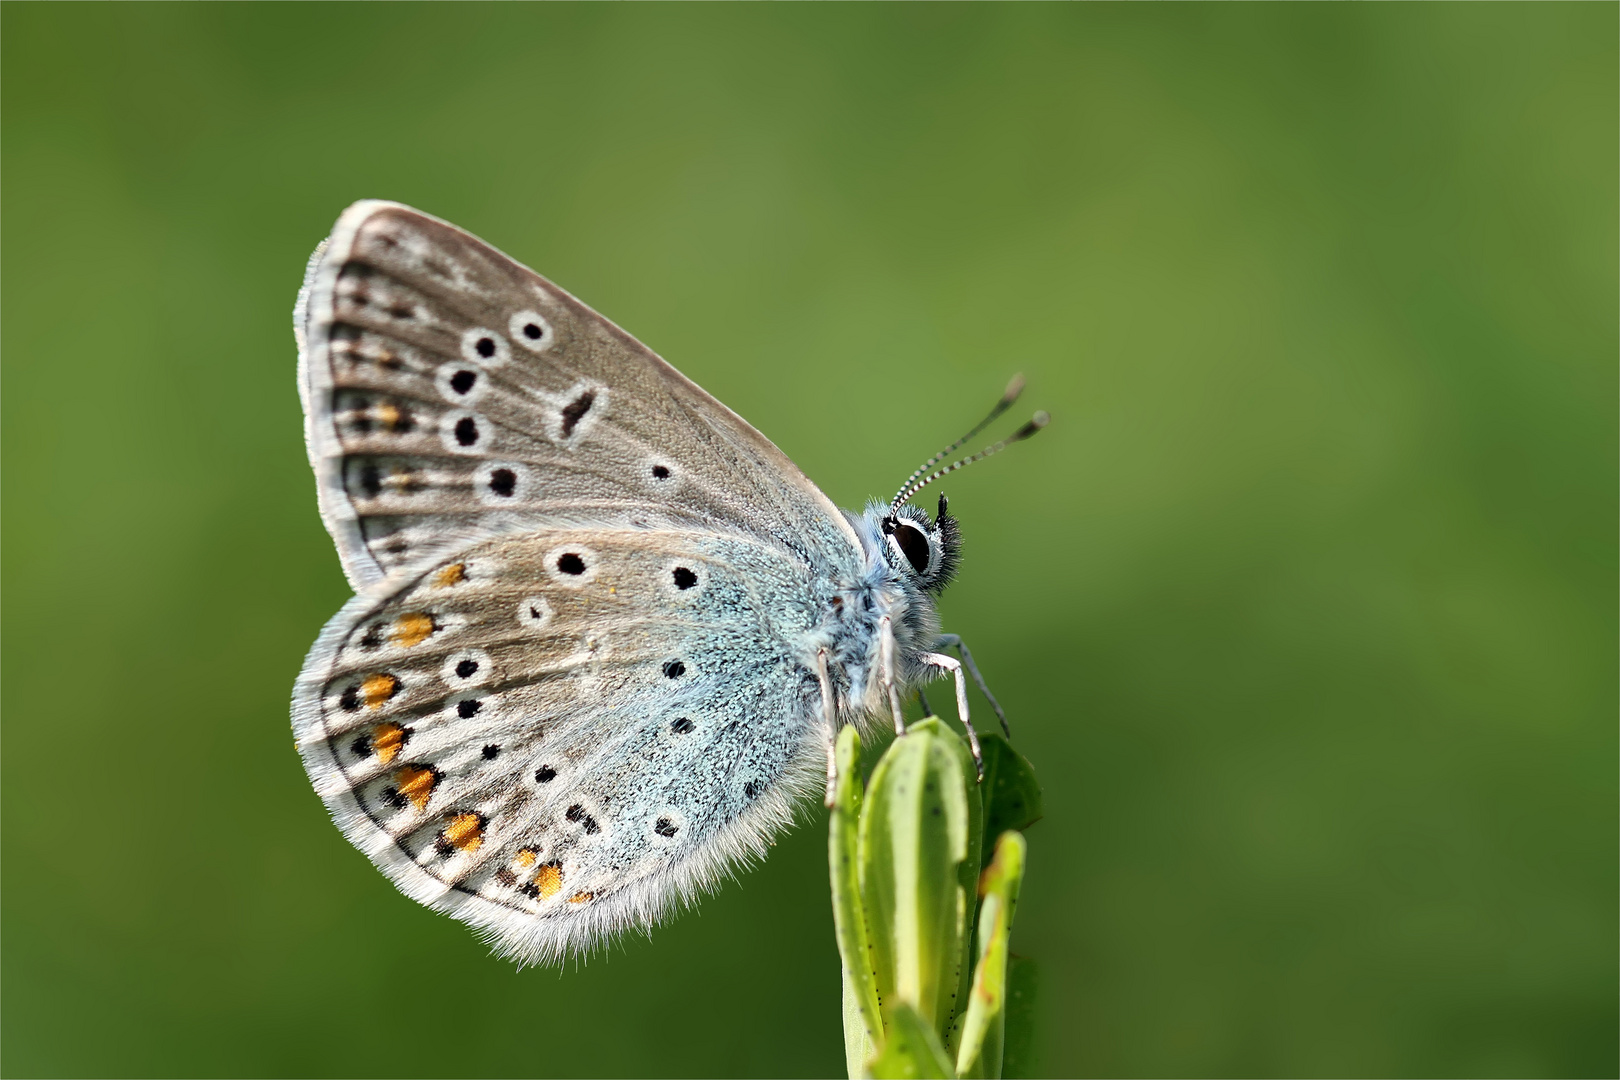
(453, 394)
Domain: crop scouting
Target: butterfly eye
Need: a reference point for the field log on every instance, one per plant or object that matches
(913, 545)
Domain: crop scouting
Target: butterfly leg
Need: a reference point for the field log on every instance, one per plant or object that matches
(831, 722)
(922, 699)
(952, 665)
(886, 636)
(954, 641)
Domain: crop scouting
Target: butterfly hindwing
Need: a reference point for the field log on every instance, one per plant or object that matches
(556, 734)
(451, 393)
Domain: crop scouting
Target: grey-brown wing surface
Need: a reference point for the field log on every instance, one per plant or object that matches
(452, 394)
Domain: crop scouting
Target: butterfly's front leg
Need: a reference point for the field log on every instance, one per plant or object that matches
(830, 720)
(886, 650)
(954, 641)
(950, 664)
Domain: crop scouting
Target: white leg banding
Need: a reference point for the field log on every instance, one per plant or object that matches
(940, 660)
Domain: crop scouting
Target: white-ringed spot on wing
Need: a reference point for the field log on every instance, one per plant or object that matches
(532, 330)
(660, 476)
(573, 412)
(469, 667)
(674, 669)
(461, 383)
(485, 348)
(685, 576)
(667, 825)
(466, 706)
(501, 483)
(582, 817)
(572, 565)
(534, 613)
(464, 432)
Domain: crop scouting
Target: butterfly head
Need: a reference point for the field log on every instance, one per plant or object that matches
(928, 550)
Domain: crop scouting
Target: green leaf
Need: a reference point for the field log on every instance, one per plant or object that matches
(1012, 795)
(911, 1050)
(983, 1027)
(863, 1024)
(1017, 1059)
(913, 841)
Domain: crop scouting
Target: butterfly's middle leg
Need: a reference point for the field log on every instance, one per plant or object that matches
(954, 641)
(952, 665)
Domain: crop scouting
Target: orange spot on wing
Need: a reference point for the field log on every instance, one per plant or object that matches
(526, 857)
(465, 831)
(412, 628)
(416, 783)
(582, 898)
(387, 415)
(549, 880)
(454, 574)
(376, 689)
(386, 740)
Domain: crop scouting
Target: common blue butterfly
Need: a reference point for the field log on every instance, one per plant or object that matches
(602, 628)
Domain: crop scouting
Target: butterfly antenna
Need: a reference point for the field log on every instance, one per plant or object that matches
(1038, 421)
(1010, 395)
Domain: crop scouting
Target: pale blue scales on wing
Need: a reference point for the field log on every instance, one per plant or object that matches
(603, 627)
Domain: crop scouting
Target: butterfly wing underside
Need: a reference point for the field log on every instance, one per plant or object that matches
(520, 737)
(569, 692)
(451, 393)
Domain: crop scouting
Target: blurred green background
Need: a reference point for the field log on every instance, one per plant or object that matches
(1304, 606)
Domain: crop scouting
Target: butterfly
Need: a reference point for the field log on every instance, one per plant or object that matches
(603, 629)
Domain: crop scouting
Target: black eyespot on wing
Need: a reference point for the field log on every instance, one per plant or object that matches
(533, 331)
(571, 563)
(466, 669)
(674, 669)
(370, 479)
(505, 878)
(751, 790)
(503, 482)
(660, 472)
(485, 347)
(350, 701)
(490, 752)
(545, 774)
(577, 814)
(462, 381)
(665, 827)
(575, 411)
(684, 578)
(361, 747)
(682, 726)
(466, 431)
(393, 798)
(468, 708)
(372, 638)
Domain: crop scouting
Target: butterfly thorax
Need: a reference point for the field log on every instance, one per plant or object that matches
(851, 628)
